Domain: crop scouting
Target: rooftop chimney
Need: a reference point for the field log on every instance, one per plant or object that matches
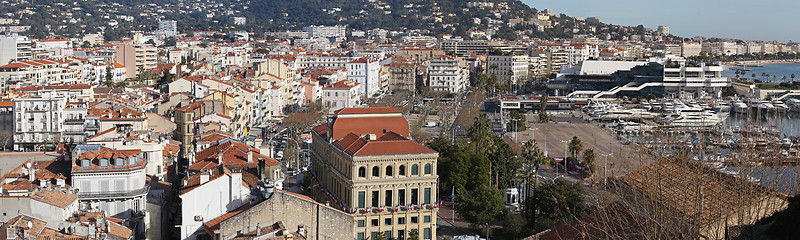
(204, 177)
(250, 156)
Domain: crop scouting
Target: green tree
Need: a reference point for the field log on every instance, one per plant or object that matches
(109, 82)
(533, 157)
(543, 111)
(514, 224)
(588, 162)
(517, 121)
(480, 206)
(505, 164)
(792, 77)
(557, 202)
(480, 134)
(380, 236)
(575, 146)
(86, 44)
(413, 234)
(165, 79)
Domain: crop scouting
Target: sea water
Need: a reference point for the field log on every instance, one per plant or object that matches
(774, 69)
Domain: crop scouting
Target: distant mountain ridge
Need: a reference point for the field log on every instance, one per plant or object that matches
(117, 18)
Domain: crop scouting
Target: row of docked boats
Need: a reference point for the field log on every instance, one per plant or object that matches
(671, 113)
(744, 106)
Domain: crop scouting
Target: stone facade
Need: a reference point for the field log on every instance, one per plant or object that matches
(320, 221)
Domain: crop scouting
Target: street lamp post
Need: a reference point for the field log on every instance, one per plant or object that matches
(605, 168)
(566, 143)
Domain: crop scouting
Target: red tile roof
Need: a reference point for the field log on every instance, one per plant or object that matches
(55, 198)
(388, 144)
(369, 110)
(213, 225)
(369, 125)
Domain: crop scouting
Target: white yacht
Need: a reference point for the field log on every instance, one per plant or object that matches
(632, 126)
(780, 106)
(694, 121)
(740, 107)
(667, 106)
(626, 114)
(646, 105)
(766, 106)
(722, 107)
(655, 106)
(686, 116)
(794, 104)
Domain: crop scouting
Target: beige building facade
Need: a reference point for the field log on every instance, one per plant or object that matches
(365, 164)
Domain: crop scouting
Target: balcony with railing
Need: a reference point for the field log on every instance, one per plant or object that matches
(114, 194)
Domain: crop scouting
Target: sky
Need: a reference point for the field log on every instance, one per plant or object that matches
(765, 20)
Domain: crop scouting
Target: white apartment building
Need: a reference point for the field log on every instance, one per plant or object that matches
(576, 53)
(151, 150)
(462, 47)
(168, 28)
(508, 69)
(343, 94)
(50, 48)
(335, 32)
(117, 73)
(110, 180)
(38, 121)
(15, 48)
(208, 195)
(366, 72)
(690, 49)
(687, 80)
(75, 123)
(323, 60)
(43, 72)
(447, 74)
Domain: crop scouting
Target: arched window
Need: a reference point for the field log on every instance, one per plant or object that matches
(376, 171)
(362, 172)
(402, 170)
(414, 169)
(389, 171)
(427, 168)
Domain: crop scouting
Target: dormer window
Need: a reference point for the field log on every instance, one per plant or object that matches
(86, 163)
(104, 162)
(119, 162)
(132, 160)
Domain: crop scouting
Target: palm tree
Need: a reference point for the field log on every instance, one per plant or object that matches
(532, 156)
(784, 78)
(754, 76)
(575, 146)
(792, 77)
(588, 162)
(481, 135)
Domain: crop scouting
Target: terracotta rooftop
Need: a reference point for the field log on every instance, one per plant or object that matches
(213, 225)
(389, 144)
(55, 198)
(95, 155)
(369, 110)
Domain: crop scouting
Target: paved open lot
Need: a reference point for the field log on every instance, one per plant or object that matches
(11, 160)
(549, 136)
